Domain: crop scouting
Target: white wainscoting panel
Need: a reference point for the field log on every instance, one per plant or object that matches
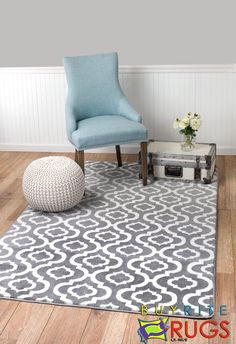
(32, 101)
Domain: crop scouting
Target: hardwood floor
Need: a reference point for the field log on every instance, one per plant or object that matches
(31, 323)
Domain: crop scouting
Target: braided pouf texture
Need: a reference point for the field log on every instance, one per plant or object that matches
(53, 184)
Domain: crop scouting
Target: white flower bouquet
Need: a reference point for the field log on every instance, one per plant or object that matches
(188, 126)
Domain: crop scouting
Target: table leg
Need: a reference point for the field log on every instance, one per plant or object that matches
(144, 162)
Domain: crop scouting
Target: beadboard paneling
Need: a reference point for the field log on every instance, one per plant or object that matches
(32, 104)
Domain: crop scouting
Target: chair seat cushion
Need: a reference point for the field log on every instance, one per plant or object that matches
(107, 130)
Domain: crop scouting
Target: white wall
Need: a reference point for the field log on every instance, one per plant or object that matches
(41, 32)
(32, 104)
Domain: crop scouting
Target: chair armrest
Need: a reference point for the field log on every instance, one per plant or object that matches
(71, 123)
(126, 110)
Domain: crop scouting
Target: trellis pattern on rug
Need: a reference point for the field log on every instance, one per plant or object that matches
(123, 246)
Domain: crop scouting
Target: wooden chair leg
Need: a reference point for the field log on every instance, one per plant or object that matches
(79, 159)
(76, 156)
(144, 162)
(118, 155)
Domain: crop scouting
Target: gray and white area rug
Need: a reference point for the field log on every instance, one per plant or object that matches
(122, 247)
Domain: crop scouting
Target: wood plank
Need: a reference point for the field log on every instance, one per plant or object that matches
(7, 207)
(233, 332)
(4, 226)
(65, 326)
(16, 212)
(225, 293)
(7, 186)
(115, 328)
(220, 163)
(26, 324)
(233, 231)
(95, 327)
(7, 308)
(224, 242)
(10, 168)
(11, 209)
(230, 182)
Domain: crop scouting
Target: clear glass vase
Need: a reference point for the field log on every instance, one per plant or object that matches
(189, 143)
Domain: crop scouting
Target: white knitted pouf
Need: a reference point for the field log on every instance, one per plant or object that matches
(54, 183)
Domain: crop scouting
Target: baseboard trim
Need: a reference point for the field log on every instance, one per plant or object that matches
(127, 149)
(224, 150)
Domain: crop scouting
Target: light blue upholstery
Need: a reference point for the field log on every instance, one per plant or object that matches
(94, 132)
(97, 112)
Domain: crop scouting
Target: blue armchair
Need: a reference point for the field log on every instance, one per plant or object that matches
(97, 112)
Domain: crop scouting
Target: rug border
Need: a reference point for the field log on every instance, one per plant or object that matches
(126, 311)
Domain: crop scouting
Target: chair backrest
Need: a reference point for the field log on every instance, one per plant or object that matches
(93, 85)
